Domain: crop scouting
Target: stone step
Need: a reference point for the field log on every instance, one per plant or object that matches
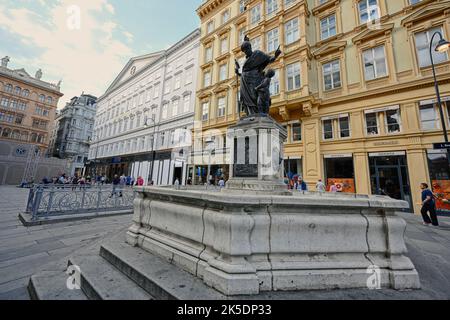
(158, 277)
(51, 285)
(101, 281)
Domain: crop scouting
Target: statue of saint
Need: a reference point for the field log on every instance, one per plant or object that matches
(252, 76)
(5, 61)
(38, 74)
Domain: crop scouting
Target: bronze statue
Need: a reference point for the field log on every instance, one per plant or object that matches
(252, 79)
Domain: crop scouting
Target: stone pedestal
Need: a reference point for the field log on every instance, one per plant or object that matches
(243, 244)
(256, 145)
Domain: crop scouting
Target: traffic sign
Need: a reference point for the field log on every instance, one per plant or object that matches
(443, 145)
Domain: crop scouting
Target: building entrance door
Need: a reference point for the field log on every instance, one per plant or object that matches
(389, 177)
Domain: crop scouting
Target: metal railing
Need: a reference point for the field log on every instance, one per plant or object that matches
(54, 200)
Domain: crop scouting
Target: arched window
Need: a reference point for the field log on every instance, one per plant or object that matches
(6, 133)
(26, 93)
(9, 88)
(15, 135)
(18, 91)
(24, 136)
(49, 100)
(42, 98)
(33, 137)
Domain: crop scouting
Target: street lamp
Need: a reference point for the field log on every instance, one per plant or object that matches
(441, 47)
(153, 143)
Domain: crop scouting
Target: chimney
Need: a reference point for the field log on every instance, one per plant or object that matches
(5, 62)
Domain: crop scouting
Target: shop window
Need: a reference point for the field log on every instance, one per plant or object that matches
(438, 165)
(292, 170)
(340, 174)
(372, 124)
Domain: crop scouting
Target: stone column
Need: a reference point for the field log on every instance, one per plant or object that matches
(418, 173)
(362, 173)
(312, 168)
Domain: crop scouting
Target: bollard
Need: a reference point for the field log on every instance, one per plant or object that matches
(37, 203)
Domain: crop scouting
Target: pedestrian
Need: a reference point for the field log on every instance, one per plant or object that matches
(128, 182)
(320, 186)
(140, 181)
(300, 185)
(177, 183)
(221, 182)
(116, 184)
(333, 188)
(189, 181)
(428, 205)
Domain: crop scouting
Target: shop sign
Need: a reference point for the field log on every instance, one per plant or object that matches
(441, 146)
(337, 156)
(433, 101)
(387, 154)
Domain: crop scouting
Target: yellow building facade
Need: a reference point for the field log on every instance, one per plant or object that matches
(353, 87)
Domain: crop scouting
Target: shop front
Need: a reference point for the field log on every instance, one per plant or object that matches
(389, 175)
(339, 173)
(438, 166)
(293, 168)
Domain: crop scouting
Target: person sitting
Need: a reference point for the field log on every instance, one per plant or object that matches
(300, 185)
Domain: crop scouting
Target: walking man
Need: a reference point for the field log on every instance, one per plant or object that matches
(428, 205)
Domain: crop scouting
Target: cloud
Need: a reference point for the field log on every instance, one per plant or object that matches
(86, 58)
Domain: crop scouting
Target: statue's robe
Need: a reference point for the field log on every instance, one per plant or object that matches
(252, 76)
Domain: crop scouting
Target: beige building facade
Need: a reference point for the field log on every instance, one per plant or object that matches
(27, 106)
(353, 87)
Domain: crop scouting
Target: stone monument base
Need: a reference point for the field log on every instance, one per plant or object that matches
(246, 244)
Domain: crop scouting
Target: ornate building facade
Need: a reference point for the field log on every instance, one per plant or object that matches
(73, 132)
(353, 87)
(145, 117)
(27, 106)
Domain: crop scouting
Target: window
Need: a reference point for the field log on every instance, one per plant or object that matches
(241, 35)
(272, 40)
(328, 27)
(296, 132)
(175, 106)
(275, 84)
(428, 117)
(255, 15)
(393, 121)
(9, 88)
(332, 75)
(156, 93)
(164, 111)
(221, 106)
(414, 1)
(189, 76)
(224, 45)
(375, 63)
(26, 93)
(18, 91)
(344, 126)
(256, 43)
(327, 129)
(4, 102)
(288, 3)
(49, 100)
(223, 72)
(208, 54)
(242, 6)
(167, 86)
(205, 111)
(207, 79)
(6, 117)
(372, 123)
(368, 10)
(187, 103)
(225, 16)
(291, 31)
(293, 76)
(177, 82)
(210, 27)
(19, 119)
(42, 98)
(423, 46)
(271, 7)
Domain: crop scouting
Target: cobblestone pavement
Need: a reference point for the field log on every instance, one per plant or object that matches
(24, 251)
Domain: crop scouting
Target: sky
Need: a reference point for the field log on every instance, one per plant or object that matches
(86, 43)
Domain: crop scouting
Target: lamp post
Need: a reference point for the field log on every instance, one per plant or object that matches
(153, 143)
(442, 46)
(209, 147)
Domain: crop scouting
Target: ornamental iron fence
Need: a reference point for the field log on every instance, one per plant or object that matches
(54, 200)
